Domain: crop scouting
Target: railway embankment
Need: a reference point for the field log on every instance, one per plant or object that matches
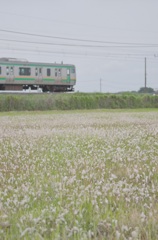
(64, 101)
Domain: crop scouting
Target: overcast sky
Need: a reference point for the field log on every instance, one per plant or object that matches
(107, 40)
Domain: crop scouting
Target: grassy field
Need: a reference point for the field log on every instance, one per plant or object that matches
(65, 101)
(79, 175)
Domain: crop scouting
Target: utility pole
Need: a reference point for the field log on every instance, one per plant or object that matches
(145, 73)
(100, 85)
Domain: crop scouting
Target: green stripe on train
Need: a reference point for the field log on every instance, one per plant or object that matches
(68, 80)
(24, 79)
(44, 79)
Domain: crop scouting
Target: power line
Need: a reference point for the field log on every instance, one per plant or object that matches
(110, 56)
(73, 23)
(81, 40)
(77, 45)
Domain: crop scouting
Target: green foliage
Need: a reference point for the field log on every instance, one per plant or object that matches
(30, 102)
(146, 90)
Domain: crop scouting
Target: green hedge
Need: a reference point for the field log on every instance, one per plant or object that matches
(62, 101)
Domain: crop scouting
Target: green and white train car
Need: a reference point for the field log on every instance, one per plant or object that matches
(16, 74)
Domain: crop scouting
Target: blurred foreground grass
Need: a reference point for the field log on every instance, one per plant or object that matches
(79, 175)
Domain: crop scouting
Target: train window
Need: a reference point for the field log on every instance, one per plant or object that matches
(68, 72)
(36, 71)
(72, 70)
(7, 70)
(0, 70)
(56, 72)
(24, 71)
(48, 72)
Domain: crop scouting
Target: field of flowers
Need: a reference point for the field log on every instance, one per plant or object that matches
(79, 175)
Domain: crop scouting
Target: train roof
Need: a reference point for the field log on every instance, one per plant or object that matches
(25, 61)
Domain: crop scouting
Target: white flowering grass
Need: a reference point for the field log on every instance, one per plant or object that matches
(79, 175)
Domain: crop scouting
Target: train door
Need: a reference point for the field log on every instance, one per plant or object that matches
(58, 74)
(10, 74)
(38, 73)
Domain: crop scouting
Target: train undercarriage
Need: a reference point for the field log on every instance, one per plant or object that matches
(43, 88)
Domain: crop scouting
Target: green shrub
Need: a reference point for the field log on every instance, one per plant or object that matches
(62, 101)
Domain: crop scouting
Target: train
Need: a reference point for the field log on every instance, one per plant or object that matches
(20, 74)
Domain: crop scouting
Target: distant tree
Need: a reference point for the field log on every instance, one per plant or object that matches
(146, 90)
